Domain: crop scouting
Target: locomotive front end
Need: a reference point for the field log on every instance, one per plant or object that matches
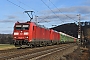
(21, 34)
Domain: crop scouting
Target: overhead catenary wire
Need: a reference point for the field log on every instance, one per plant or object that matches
(24, 8)
(16, 5)
(26, 5)
(51, 10)
(33, 9)
(62, 12)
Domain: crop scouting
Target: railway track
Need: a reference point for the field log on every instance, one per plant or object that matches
(33, 53)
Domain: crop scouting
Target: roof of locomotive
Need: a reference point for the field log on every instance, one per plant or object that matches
(28, 22)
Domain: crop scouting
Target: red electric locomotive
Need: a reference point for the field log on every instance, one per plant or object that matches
(55, 37)
(31, 34)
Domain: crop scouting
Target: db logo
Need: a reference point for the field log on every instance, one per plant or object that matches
(21, 33)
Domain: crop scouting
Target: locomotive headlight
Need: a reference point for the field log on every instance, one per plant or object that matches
(15, 37)
(25, 33)
(16, 33)
(26, 37)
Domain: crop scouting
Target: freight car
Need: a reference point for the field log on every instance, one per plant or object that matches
(31, 34)
(65, 38)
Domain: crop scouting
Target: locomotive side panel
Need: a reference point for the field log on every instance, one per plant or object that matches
(48, 34)
(34, 33)
(37, 33)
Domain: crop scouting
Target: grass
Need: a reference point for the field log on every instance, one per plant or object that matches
(6, 46)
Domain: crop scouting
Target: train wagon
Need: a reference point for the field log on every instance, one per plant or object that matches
(65, 38)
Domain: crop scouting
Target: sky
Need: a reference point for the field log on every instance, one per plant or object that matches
(48, 12)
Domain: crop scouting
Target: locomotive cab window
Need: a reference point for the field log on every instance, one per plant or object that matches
(18, 27)
(22, 27)
(25, 27)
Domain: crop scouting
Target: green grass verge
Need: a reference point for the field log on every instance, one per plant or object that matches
(6, 46)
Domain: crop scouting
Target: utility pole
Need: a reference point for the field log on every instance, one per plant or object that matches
(36, 18)
(79, 30)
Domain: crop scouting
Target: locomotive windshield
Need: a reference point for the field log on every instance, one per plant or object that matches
(22, 27)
